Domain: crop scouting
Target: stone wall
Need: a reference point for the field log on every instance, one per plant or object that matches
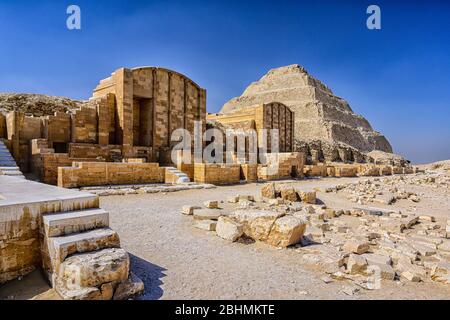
(19, 242)
(218, 174)
(2, 126)
(109, 173)
(269, 116)
(289, 165)
(132, 114)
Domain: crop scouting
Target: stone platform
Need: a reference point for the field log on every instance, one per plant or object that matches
(58, 229)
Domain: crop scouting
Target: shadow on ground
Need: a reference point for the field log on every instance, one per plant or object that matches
(151, 275)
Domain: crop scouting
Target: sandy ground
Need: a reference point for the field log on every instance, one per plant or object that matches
(178, 261)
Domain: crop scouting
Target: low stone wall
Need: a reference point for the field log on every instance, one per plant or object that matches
(316, 170)
(289, 165)
(20, 219)
(83, 174)
(249, 172)
(346, 171)
(218, 174)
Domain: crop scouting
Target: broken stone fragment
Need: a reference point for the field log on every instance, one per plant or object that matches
(286, 231)
(246, 198)
(308, 197)
(208, 225)
(386, 272)
(447, 231)
(410, 276)
(441, 272)
(444, 246)
(211, 204)
(289, 194)
(129, 288)
(427, 218)
(314, 233)
(414, 198)
(269, 191)
(95, 268)
(385, 198)
(189, 210)
(275, 202)
(208, 214)
(233, 199)
(329, 214)
(257, 223)
(355, 246)
(229, 229)
(356, 264)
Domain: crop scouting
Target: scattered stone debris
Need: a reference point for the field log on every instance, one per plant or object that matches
(121, 190)
(212, 204)
(362, 245)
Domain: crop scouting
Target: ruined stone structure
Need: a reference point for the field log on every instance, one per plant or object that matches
(267, 116)
(325, 126)
(132, 114)
(66, 234)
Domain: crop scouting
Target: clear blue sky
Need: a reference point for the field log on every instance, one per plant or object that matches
(398, 78)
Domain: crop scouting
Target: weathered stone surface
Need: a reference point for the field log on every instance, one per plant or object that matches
(212, 204)
(208, 214)
(233, 199)
(60, 224)
(356, 264)
(208, 225)
(308, 196)
(95, 268)
(269, 191)
(286, 231)
(129, 288)
(257, 223)
(355, 246)
(61, 247)
(189, 210)
(229, 229)
(289, 194)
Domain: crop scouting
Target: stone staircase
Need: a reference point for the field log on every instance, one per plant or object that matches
(176, 176)
(83, 258)
(8, 165)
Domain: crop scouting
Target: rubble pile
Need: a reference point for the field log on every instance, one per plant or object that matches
(363, 245)
(388, 190)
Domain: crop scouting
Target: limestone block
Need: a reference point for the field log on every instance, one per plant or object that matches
(286, 231)
(189, 210)
(208, 225)
(212, 204)
(74, 221)
(95, 268)
(289, 194)
(61, 247)
(355, 246)
(257, 223)
(229, 229)
(129, 288)
(269, 191)
(308, 196)
(356, 264)
(208, 214)
(441, 272)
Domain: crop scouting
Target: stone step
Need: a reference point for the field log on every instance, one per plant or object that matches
(66, 223)
(9, 168)
(62, 247)
(91, 270)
